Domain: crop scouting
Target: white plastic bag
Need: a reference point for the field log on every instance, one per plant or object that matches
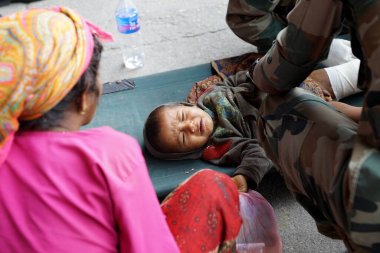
(259, 232)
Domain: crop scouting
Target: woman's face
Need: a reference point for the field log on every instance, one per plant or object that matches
(184, 128)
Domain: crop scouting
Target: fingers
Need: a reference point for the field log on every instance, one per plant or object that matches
(241, 183)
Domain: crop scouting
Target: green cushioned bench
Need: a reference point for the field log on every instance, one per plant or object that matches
(127, 110)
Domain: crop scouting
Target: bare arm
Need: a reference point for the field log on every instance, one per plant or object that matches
(353, 112)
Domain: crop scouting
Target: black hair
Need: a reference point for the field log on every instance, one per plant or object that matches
(86, 83)
(152, 127)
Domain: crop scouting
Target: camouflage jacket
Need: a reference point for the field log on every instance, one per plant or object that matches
(258, 22)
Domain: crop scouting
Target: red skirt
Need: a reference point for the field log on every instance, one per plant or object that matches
(203, 213)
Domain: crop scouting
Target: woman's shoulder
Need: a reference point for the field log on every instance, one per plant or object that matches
(107, 135)
(104, 130)
(106, 143)
(104, 140)
(113, 150)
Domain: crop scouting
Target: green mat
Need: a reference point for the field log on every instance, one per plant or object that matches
(127, 110)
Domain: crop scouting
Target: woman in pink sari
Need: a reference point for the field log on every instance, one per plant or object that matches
(63, 189)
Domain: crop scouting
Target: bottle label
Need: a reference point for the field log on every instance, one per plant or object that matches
(128, 24)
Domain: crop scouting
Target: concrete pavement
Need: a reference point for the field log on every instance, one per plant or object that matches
(178, 34)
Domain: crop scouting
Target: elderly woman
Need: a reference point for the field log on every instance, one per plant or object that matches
(66, 190)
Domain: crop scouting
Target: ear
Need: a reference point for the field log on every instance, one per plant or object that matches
(84, 103)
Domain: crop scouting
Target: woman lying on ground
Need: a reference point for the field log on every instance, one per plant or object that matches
(66, 190)
(220, 128)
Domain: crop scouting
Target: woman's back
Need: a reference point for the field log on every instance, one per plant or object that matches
(79, 191)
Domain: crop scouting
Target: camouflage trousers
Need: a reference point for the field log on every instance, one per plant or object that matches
(312, 145)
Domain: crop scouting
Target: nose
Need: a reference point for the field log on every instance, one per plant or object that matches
(189, 126)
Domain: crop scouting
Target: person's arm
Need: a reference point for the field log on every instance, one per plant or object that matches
(254, 163)
(344, 78)
(300, 46)
(255, 21)
(247, 154)
(353, 112)
(339, 81)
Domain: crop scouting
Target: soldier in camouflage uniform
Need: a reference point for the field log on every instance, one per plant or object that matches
(330, 163)
(258, 22)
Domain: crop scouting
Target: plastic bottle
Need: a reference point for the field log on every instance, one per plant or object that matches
(128, 26)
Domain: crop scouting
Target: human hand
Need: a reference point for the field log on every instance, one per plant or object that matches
(322, 79)
(241, 183)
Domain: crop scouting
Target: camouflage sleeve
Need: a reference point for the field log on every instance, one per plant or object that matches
(363, 167)
(300, 46)
(255, 22)
(366, 44)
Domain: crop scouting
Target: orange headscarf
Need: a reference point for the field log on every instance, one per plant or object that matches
(43, 53)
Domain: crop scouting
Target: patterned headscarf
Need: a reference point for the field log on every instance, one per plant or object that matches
(43, 54)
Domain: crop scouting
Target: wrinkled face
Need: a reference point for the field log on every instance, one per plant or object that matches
(184, 128)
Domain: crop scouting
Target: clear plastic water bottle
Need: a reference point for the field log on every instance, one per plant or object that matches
(128, 25)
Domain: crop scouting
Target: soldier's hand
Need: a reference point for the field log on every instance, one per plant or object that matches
(241, 183)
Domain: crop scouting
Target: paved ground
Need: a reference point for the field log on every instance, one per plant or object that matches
(178, 34)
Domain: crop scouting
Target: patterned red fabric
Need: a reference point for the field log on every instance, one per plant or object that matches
(212, 152)
(200, 87)
(203, 213)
